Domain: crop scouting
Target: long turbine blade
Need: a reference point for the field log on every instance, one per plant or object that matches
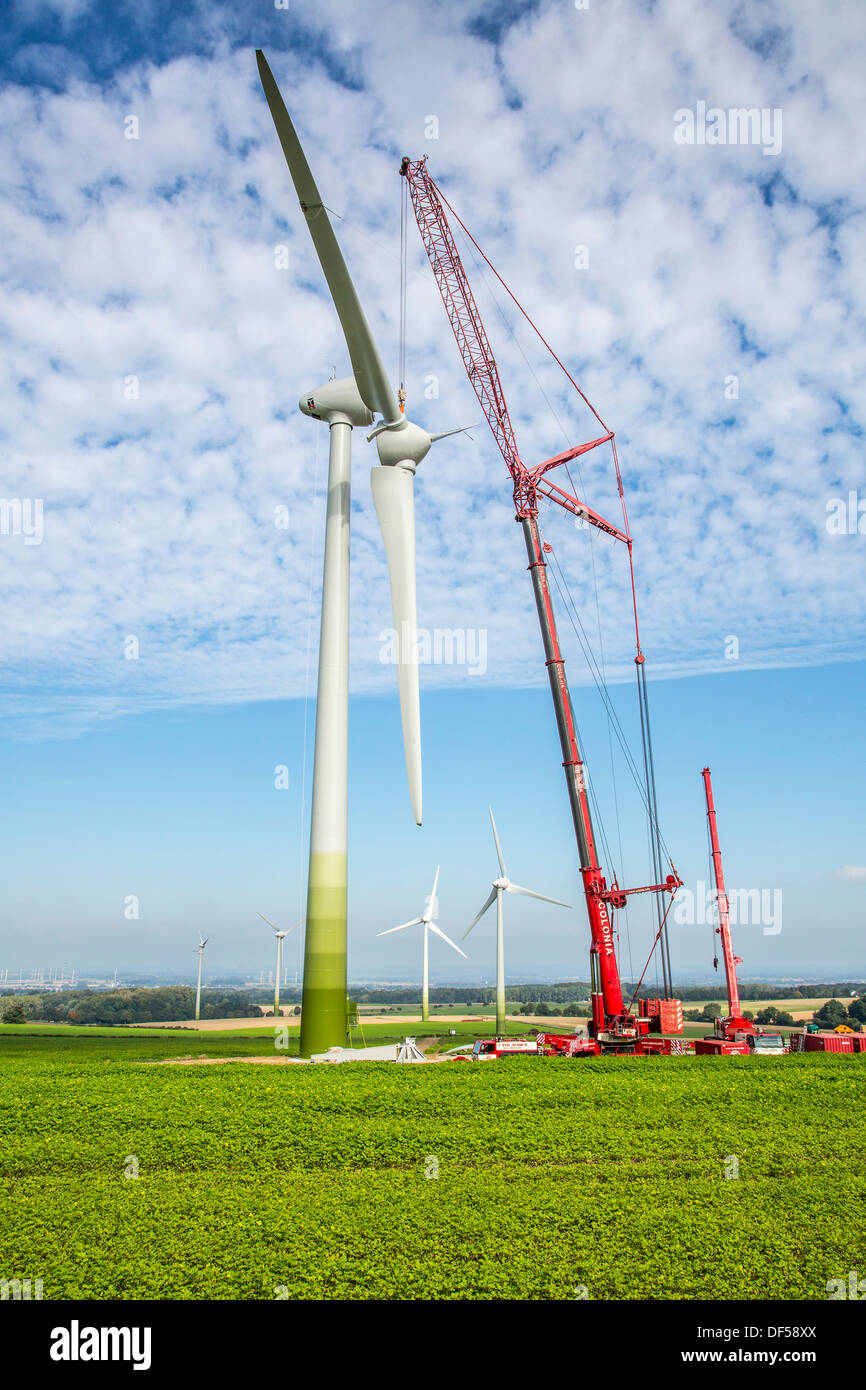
(416, 921)
(528, 893)
(268, 920)
(369, 371)
(433, 893)
(498, 845)
(433, 927)
(394, 497)
(479, 915)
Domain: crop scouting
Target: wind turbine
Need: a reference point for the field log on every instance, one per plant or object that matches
(502, 885)
(343, 404)
(281, 936)
(426, 920)
(199, 951)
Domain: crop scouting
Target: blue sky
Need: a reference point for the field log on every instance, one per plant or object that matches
(153, 354)
(181, 810)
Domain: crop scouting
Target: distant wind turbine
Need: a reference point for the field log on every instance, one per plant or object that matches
(199, 951)
(426, 920)
(502, 885)
(281, 936)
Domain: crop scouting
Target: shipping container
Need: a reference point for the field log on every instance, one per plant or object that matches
(829, 1042)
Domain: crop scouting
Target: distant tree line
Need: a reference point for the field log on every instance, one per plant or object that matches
(107, 1007)
(751, 990)
(578, 991)
(473, 994)
(169, 1004)
(830, 1015)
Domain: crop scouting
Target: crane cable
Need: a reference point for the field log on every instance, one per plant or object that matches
(552, 409)
(651, 797)
(404, 215)
(535, 330)
(646, 738)
(655, 833)
(580, 632)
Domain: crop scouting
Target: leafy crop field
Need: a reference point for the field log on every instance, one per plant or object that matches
(525, 1179)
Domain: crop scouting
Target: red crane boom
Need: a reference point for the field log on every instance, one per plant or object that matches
(613, 1023)
(734, 1023)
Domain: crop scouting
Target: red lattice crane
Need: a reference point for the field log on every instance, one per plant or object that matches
(614, 1025)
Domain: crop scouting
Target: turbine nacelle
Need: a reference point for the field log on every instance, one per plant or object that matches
(338, 400)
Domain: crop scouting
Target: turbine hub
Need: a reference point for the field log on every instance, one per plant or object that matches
(404, 444)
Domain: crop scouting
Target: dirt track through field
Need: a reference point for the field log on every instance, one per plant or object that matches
(443, 1023)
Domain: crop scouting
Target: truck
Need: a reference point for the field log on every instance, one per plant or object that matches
(766, 1044)
(494, 1049)
(577, 1044)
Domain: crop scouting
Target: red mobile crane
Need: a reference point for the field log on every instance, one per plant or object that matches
(724, 1027)
(614, 1026)
(732, 1034)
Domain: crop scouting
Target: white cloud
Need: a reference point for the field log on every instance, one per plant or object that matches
(154, 257)
(852, 873)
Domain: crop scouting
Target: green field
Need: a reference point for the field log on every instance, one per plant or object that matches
(312, 1182)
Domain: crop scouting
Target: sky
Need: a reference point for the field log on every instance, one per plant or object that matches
(162, 312)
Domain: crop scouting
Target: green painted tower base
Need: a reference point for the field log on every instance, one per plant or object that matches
(323, 1008)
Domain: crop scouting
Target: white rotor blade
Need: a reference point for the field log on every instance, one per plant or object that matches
(294, 928)
(446, 434)
(268, 920)
(369, 372)
(528, 893)
(394, 497)
(432, 900)
(498, 845)
(479, 915)
(416, 922)
(433, 927)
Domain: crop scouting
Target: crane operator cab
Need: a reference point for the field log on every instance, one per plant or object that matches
(766, 1044)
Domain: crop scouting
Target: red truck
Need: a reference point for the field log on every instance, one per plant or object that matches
(492, 1049)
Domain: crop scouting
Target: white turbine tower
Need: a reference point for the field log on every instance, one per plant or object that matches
(344, 404)
(502, 885)
(199, 951)
(281, 936)
(426, 920)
